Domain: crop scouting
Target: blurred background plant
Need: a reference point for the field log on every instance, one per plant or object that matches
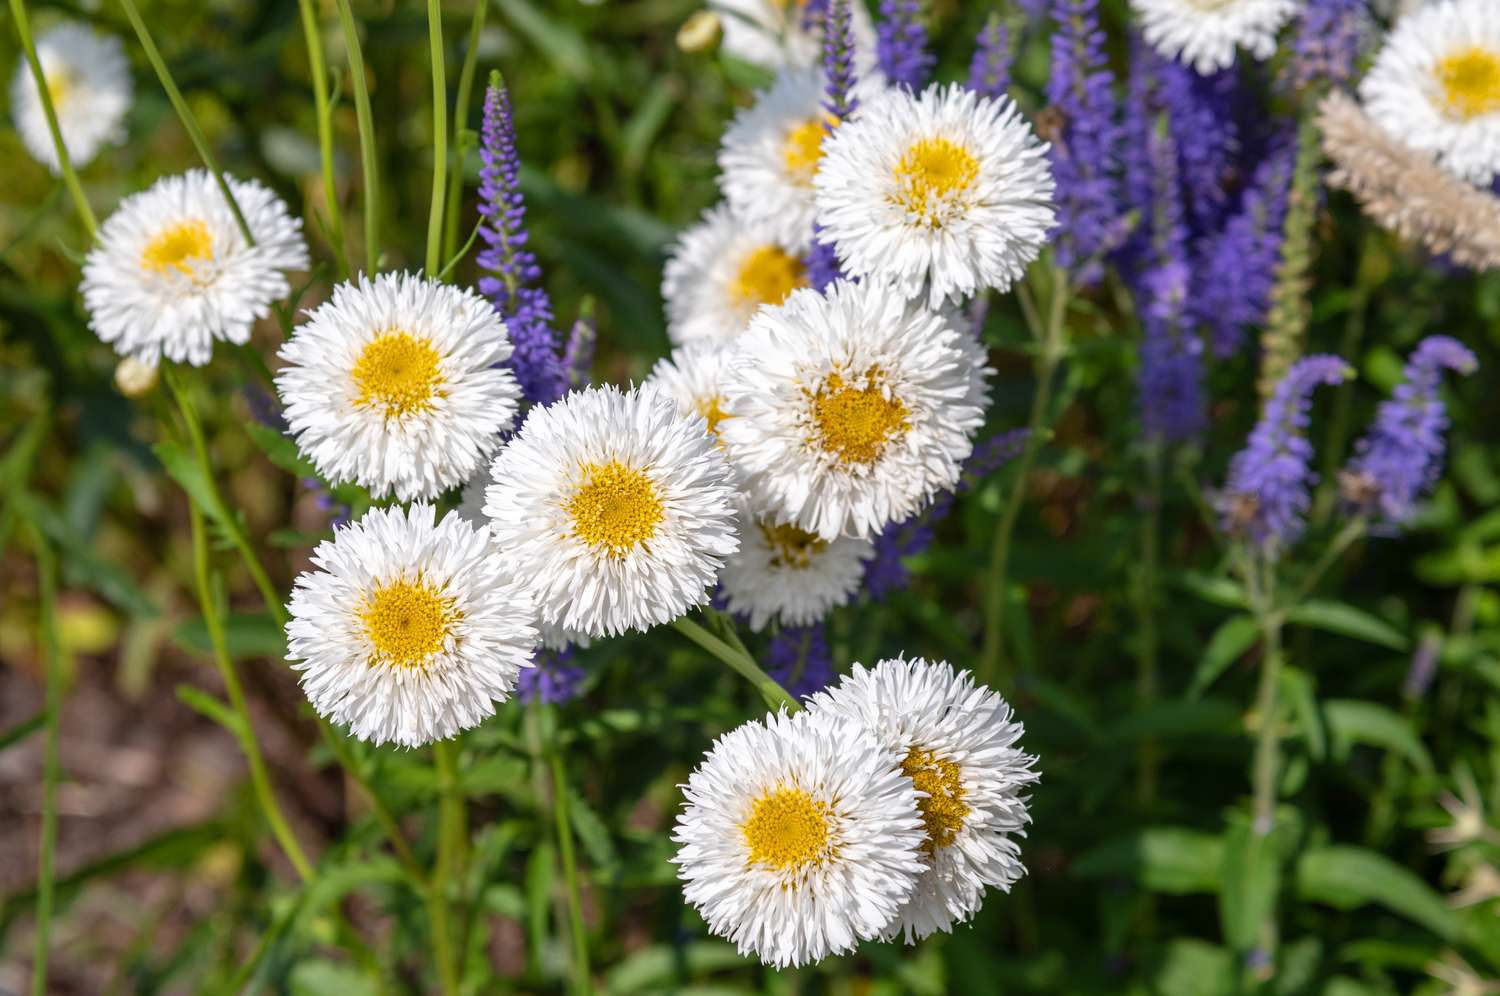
(1381, 872)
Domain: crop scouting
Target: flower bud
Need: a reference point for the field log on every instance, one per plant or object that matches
(134, 378)
(701, 32)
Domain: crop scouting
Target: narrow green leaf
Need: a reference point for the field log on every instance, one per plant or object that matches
(1228, 644)
(592, 832)
(1346, 620)
(540, 867)
(183, 469)
(662, 967)
(1250, 877)
(560, 42)
(1350, 877)
(1299, 691)
(1215, 590)
(201, 702)
(249, 634)
(280, 449)
(1352, 721)
(1190, 967)
(22, 730)
(1173, 860)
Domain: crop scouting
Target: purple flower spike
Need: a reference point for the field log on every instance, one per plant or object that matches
(799, 660)
(553, 681)
(901, 45)
(989, 73)
(1331, 36)
(1171, 375)
(1086, 149)
(1401, 456)
(1237, 268)
(1266, 496)
(822, 260)
(511, 287)
(578, 358)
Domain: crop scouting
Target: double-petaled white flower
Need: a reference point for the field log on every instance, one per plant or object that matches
(776, 33)
(1436, 86)
(956, 741)
(720, 273)
(172, 273)
(393, 384)
(88, 80)
(786, 574)
(1205, 33)
(409, 630)
(615, 508)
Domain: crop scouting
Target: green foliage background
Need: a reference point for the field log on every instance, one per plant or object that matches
(1131, 889)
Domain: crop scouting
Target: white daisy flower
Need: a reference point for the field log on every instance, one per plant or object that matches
(1204, 33)
(946, 193)
(171, 272)
(393, 384)
(720, 273)
(617, 510)
(88, 79)
(800, 838)
(1436, 86)
(785, 573)
(693, 376)
(851, 409)
(956, 741)
(408, 631)
(777, 33)
(772, 150)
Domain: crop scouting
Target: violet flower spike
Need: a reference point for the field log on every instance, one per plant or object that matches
(552, 681)
(1266, 497)
(901, 44)
(1171, 373)
(822, 260)
(513, 273)
(1331, 36)
(989, 72)
(1401, 456)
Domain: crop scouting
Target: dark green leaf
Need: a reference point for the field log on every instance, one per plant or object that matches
(1352, 721)
(1173, 860)
(1350, 877)
(1228, 644)
(249, 634)
(1346, 620)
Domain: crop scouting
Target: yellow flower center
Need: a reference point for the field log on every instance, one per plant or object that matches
(1470, 79)
(943, 810)
(792, 547)
(407, 622)
(398, 372)
(60, 85)
(931, 175)
(767, 276)
(712, 409)
(616, 509)
(803, 148)
(856, 423)
(789, 830)
(179, 247)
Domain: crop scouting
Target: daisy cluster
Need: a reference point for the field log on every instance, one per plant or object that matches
(886, 809)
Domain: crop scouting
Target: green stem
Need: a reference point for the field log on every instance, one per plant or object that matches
(318, 70)
(1147, 677)
(460, 120)
(1268, 735)
(1051, 348)
(742, 663)
(46, 564)
(1345, 538)
(64, 161)
(449, 859)
(185, 115)
(259, 778)
(368, 161)
(582, 979)
(382, 813)
(435, 214)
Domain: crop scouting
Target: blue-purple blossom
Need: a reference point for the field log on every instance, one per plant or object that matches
(822, 260)
(901, 44)
(1086, 148)
(886, 572)
(1401, 456)
(513, 272)
(1266, 496)
(1330, 37)
(799, 660)
(553, 681)
(578, 357)
(1171, 374)
(989, 72)
(1236, 269)
(1201, 112)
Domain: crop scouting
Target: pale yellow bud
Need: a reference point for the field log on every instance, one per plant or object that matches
(134, 378)
(701, 32)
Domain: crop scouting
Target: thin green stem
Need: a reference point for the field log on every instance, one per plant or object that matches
(208, 602)
(1146, 675)
(64, 161)
(435, 214)
(1051, 348)
(317, 68)
(46, 563)
(185, 115)
(1268, 738)
(582, 980)
(382, 813)
(1346, 537)
(742, 663)
(460, 121)
(449, 860)
(367, 157)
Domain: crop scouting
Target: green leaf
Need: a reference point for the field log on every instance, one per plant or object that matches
(663, 968)
(1299, 690)
(22, 730)
(280, 449)
(249, 634)
(1346, 620)
(1189, 967)
(82, 567)
(1350, 877)
(539, 872)
(1172, 860)
(320, 977)
(560, 42)
(1215, 590)
(187, 472)
(201, 702)
(1250, 877)
(591, 832)
(1228, 644)
(1352, 721)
